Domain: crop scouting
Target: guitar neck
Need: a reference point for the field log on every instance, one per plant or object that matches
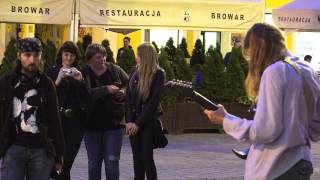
(204, 102)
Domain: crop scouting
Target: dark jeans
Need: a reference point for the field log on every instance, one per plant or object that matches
(142, 149)
(73, 130)
(105, 145)
(21, 162)
(300, 171)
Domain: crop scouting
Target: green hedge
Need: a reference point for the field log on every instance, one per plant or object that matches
(10, 56)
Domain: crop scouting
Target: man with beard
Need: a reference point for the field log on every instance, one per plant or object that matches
(31, 139)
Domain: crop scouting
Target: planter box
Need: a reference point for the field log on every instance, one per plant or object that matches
(239, 110)
(186, 116)
(189, 116)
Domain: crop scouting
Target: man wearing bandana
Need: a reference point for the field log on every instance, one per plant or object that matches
(31, 139)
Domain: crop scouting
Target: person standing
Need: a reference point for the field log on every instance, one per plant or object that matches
(236, 44)
(126, 56)
(31, 138)
(143, 94)
(308, 58)
(104, 133)
(73, 100)
(287, 117)
(126, 46)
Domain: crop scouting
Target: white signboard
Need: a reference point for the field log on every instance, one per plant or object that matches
(36, 11)
(177, 14)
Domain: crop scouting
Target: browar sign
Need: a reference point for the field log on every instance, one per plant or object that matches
(182, 14)
(36, 11)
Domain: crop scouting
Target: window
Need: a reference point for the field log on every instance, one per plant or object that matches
(162, 36)
(308, 43)
(211, 39)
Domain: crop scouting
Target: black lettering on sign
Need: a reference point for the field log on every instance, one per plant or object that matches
(30, 10)
(13, 9)
(101, 13)
(33, 10)
(123, 12)
(26, 9)
(224, 16)
(47, 11)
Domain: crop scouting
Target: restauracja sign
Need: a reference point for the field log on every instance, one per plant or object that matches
(119, 12)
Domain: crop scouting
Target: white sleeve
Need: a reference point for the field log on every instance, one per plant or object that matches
(267, 124)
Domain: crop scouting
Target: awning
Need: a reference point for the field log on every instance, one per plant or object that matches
(301, 15)
(216, 15)
(36, 11)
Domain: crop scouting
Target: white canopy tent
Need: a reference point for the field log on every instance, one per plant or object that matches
(39, 11)
(300, 15)
(217, 15)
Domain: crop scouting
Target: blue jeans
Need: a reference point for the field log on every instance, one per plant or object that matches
(21, 162)
(104, 146)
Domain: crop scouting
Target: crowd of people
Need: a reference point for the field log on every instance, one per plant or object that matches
(45, 115)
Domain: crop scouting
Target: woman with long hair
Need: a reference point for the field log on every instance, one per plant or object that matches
(104, 132)
(143, 92)
(72, 101)
(287, 117)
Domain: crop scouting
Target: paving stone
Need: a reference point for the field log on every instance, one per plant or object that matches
(188, 157)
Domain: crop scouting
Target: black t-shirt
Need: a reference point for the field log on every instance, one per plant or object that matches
(26, 101)
(101, 117)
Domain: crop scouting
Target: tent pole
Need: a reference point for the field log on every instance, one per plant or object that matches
(74, 27)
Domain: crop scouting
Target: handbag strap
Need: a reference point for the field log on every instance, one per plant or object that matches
(307, 93)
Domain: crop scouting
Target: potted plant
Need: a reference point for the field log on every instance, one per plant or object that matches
(49, 55)
(105, 43)
(10, 56)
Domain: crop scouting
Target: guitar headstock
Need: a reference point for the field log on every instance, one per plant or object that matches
(185, 86)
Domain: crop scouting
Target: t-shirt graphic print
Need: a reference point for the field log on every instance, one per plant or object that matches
(25, 106)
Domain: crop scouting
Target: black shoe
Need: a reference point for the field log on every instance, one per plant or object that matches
(241, 154)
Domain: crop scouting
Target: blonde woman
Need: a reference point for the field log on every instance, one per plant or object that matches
(143, 110)
(286, 120)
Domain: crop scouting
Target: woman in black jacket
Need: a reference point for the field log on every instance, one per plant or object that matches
(72, 101)
(143, 110)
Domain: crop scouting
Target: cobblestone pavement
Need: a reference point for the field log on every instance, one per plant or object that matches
(188, 157)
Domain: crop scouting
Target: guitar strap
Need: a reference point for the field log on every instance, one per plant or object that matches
(307, 93)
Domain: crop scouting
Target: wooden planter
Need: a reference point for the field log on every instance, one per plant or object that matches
(239, 110)
(189, 116)
(186, 116)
